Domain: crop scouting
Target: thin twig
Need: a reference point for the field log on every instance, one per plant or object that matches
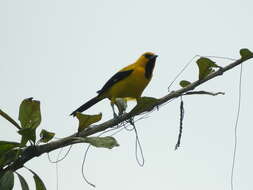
(235, 129)
(137, 144)
(204, 93)
(7, 117)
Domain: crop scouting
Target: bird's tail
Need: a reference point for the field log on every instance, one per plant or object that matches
(87, 105)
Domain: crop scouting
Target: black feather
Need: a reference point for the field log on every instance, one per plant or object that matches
(87, 105)
(114, 79)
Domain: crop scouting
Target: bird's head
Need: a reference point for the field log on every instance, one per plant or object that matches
(147, 60)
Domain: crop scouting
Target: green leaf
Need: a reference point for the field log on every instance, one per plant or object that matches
(104, 142)
(46, 136)
(29, 113)
(27, 134)
(184, 83)
(38, 182)
(86, 120)
(245, 53)
(9, 156)
(5, 146)
(144, 103)
(23, 182)
(7, 181)
(205, 67)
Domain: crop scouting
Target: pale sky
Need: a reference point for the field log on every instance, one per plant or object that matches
(62, 52)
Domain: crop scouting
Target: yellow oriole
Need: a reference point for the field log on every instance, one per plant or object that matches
(129, 82)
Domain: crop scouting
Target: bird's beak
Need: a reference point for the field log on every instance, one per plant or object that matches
(154, 57)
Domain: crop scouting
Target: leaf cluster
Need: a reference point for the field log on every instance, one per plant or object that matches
(10, 152)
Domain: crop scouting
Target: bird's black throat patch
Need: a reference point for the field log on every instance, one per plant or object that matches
(149, 68)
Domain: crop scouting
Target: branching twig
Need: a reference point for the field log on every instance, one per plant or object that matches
(34, 151)
(204, 93)
(7, 117)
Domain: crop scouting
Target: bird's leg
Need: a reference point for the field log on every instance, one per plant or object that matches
(121, 104)
(114, 113)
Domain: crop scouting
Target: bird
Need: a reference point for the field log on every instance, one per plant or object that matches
(128, 83)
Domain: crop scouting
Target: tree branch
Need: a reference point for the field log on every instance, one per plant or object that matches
(34, 151)
(204, 93)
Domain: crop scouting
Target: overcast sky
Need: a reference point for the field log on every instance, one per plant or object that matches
(62, 52)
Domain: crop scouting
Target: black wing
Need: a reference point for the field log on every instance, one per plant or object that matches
(114, 79)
